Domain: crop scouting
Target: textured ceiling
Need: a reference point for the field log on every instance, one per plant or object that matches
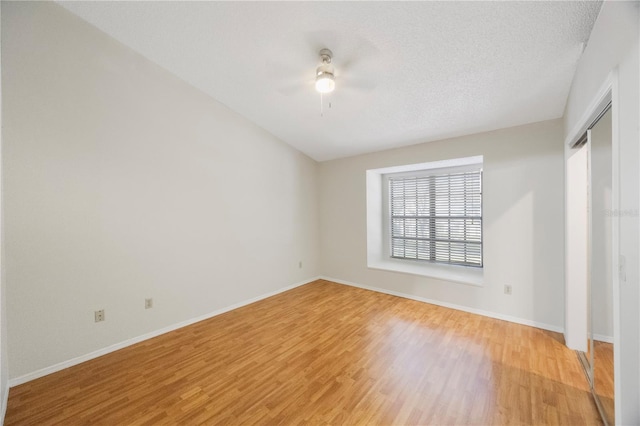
(406, 72)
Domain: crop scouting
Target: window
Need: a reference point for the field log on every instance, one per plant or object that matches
(426, 219)
(436, 216)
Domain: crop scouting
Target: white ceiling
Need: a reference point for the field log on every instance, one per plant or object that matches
(406, 72)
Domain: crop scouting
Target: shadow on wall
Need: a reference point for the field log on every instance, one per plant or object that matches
(524, 226)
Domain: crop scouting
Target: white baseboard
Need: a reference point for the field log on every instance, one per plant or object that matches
(452, 306)
(602, 338)
(95, 354)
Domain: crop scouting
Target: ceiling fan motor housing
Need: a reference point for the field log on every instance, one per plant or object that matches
(324, 73)
(326, 55)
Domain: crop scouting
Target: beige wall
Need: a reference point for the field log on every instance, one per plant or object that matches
(4, 364)
(523, 223)
(122, 183)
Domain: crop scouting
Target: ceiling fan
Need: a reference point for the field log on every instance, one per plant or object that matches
(347, 75)
(325, 79)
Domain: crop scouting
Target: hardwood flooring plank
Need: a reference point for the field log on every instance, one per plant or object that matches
(322, 353)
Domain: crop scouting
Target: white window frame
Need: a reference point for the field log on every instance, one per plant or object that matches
(378, 223)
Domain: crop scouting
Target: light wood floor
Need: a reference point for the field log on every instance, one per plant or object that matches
(603, 377)
(323, 353)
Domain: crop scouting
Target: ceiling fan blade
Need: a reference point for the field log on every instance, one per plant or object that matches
(348, 65)
(298, 85)
(352, 83)
(292, 89)
(362, 55)
(316, 40)
(366, 86)
(354, 71)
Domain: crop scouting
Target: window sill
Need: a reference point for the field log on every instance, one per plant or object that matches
(458, 274)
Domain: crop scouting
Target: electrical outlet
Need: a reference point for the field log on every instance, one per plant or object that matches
(99, 315)
(148, 303)
(507, 289)
(300, 264)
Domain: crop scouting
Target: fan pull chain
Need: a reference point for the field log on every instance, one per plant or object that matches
(321, 106)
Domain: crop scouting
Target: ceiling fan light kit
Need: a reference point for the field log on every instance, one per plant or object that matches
(325, 82)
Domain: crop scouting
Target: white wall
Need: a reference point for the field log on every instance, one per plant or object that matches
(613, 46)
(121, 183)
(523, 222)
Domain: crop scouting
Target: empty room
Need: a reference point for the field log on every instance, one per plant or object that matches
(375, 213)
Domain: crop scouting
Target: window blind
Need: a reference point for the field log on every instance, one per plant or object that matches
(437, 218)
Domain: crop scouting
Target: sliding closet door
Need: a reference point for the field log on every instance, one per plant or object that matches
(601, 281)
